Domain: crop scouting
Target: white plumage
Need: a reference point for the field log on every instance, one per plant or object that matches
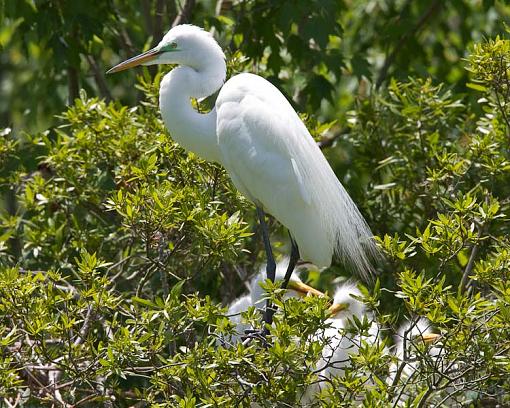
(234, 311)
(258, 294)
(263, 144)
(418, 361)
(408, 340)
(340, 343)
(274, 161)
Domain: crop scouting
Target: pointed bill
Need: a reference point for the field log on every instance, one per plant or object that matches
(429, 338)
(304, 289)
(135, 61)
(337, 308)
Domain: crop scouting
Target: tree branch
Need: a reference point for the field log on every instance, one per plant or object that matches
(157, 30)
(99, 78)
(184, 14)
(85, 327)
(73, 84)
(471, 262)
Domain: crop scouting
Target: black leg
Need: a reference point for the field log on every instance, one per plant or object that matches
(271, 264)
(294, 257)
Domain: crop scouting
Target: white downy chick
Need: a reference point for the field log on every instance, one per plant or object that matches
(234, 313)
(296, 288)
(335, 355)
(412, 338)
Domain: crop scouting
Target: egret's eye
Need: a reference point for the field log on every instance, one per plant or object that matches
(170, 47)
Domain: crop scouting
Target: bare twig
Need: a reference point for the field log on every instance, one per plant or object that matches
(184, 14)
(471, 262)
(125, 40)
(157, 30)
(99, 78)
(146, 13)
(85, 327)
(161, 266)
(73, 84)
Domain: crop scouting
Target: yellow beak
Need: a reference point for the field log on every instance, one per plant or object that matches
(135, 61)
(429, 338)
(304, 289)
(337, 308)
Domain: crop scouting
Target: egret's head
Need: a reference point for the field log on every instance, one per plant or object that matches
(345, 299)
(183, 45)
(416, 331)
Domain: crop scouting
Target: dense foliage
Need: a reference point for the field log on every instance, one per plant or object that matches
(119, 251)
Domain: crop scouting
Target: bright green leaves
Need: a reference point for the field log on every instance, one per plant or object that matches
(439, 167)
(395, 248)
(112, 182)
(489, 63)
(121, 245)
(7, 146)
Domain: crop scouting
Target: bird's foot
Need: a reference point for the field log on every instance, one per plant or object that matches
(256, 334)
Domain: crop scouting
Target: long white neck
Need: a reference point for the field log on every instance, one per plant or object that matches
(192, 130)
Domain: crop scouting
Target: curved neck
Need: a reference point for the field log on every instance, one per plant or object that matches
(192, 130)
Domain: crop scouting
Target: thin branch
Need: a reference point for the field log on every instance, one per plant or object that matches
(99, 78)
(185, 13)
(433, 9)
(157, 30)
(73, 84)
(85, 327)
(125, 40)
(161, 266)
(146, 13)
(471, 262)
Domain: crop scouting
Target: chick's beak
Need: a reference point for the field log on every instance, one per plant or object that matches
(429, 338)
(337, 308)
(304, 289)
(135, 61)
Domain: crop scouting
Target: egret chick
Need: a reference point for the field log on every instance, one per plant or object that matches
(234, 314)
(295, 288)
(409, 340)
(340, 343)
(413, 343)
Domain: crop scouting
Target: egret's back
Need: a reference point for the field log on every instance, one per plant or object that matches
(274, 161)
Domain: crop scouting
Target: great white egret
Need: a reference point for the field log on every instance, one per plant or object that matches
(345, 308)
(413, 343)
(341, 342)
(254, 132)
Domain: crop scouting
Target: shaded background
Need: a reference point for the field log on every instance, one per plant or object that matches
(320, 52)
